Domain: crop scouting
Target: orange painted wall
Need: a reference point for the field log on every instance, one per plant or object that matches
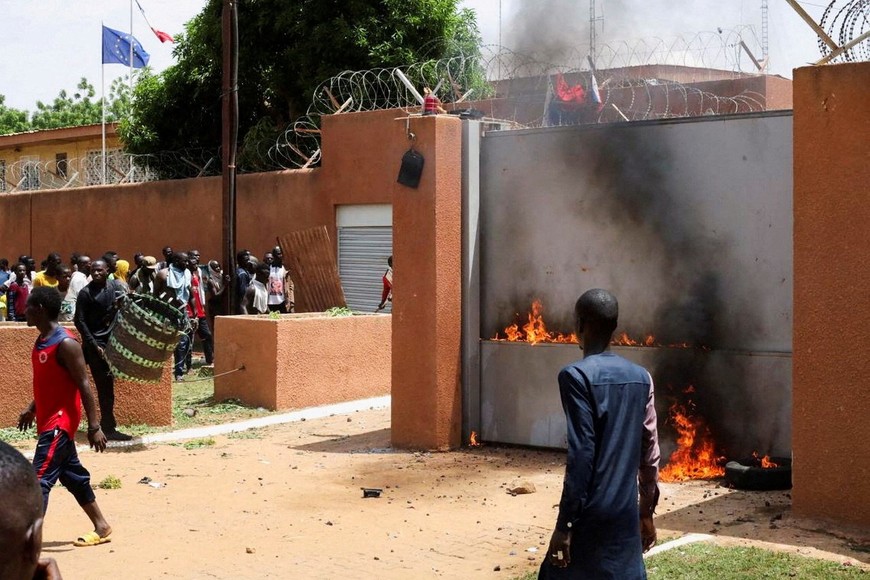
(135, 404)
(831, 398)
(302, 360)
(427, 257)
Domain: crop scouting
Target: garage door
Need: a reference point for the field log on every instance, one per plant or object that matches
(362, 261)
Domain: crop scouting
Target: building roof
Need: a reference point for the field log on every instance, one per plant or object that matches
(63, 135)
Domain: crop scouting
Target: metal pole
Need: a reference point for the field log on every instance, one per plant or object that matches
(103, 100)
(229, 137)
(812, 23)
(131, 48)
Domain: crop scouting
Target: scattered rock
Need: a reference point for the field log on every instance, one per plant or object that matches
(497, 568)
(329, 523)
(189, 412)
(250, 550)
(522, 488)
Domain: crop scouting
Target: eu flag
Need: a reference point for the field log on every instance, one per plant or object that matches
(116, 48)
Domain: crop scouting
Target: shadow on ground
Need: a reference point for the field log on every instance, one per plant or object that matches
(762, 516)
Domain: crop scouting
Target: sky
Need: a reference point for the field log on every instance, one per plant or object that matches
(49, 45)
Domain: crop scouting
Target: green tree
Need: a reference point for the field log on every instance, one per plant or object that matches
(286, 49)
(12, 120)
(81, 108)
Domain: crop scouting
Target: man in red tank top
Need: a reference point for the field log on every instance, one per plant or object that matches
(60, 388)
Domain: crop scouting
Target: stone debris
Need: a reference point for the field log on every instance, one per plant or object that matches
(522, 488)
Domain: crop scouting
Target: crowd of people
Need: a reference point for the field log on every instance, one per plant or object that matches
(91, 289)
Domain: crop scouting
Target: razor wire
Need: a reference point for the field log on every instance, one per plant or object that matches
(846, 21)
(30, 174)
(721, 54)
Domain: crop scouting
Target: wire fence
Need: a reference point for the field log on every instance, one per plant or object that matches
(846, 21)
(634, 78)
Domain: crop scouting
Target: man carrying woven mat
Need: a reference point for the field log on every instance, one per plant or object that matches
(96, 308)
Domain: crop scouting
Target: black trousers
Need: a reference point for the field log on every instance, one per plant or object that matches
(105, 384)
(203, 331)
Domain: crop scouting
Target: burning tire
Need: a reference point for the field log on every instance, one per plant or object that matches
(748, 474)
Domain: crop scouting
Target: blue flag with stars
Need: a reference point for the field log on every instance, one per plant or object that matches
(116, 48)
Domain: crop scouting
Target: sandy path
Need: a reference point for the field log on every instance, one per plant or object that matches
(288, 504)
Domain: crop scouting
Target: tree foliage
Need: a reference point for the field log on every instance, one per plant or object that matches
(286, 49)
(68, 110)
(12, 120)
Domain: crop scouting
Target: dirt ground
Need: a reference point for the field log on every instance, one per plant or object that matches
(285, 502)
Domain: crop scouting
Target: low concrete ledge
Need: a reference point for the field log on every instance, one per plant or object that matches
(135, 403)
(302, 360)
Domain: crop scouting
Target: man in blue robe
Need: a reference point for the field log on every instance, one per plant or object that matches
(602, 530)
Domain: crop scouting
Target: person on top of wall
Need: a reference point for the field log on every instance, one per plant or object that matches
(387, 294)
(21, 516)
(601, 531)
(96, 309)
(60, 390)
(431, 103)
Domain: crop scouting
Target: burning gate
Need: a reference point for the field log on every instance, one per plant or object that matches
(689, 223)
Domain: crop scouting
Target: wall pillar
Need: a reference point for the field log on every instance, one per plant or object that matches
(427, 291)
(831, 398)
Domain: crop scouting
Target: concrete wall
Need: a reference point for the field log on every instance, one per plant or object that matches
(361, 157)
(302, 360)
(688, 222)
(427, 295)
(832, 303)
(135, 403)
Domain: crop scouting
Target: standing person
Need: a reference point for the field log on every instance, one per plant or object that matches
(277, 281)
(142, 281)
(243, 279)
(80, 278)
(387, 294)
(175, 282)
(16, 296)
(21, 524)
(48, 277)
(96, 308)
(68, 305)
(5, 275)
(30, 265)
(197, 311)
(74, 261)
(167, 258)
(111, 260)
(60, 389)
(138, 259)
(601, 532)
(216, 285)
(256, 298)
(122, 269)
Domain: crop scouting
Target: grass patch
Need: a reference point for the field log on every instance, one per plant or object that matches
(702, 561)
(197, 395)
(110, 482)
(16, 438)
(248, 434)
(198, 443)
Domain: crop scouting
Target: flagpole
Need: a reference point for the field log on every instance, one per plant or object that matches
(131, 49)
(103, 100)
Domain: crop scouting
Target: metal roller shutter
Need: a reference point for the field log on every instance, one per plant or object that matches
(362, 261)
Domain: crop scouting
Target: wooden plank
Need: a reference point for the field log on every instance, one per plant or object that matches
(310, 256)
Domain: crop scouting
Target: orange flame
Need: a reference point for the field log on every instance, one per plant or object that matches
(695, 456)
(472, 441)
(764, 462)
(535, 331)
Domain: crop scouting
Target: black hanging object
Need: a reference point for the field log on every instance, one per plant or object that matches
(412, 169)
